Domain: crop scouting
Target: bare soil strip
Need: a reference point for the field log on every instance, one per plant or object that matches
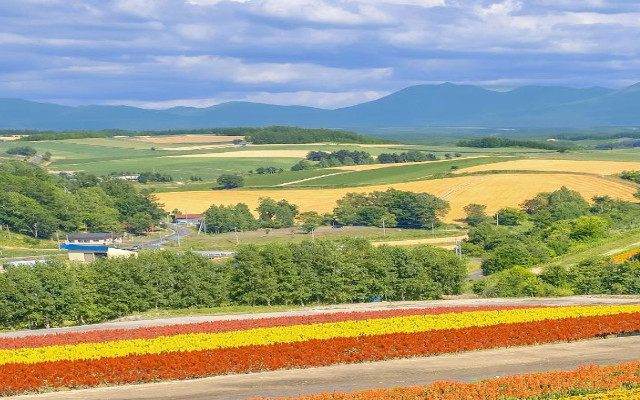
(466, 367)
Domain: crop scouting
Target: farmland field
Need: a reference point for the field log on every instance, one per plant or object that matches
(186, 139)
(496, 191)
(591, 167)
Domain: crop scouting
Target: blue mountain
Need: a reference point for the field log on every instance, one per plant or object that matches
(417, 106)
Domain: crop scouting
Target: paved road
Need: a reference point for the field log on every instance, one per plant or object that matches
(348, 378)
(130, 323)
(178, 231)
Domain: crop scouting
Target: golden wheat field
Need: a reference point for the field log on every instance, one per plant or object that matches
(250, 154)
(591, 167)
(495, 191)
(186, 139)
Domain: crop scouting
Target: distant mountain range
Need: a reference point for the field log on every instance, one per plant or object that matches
(445, 105)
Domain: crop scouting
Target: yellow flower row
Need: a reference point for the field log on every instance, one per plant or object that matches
(299, 333)
(618, 394)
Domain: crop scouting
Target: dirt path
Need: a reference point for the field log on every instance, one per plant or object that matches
(465, 367)
(312, 178)
(131, 324)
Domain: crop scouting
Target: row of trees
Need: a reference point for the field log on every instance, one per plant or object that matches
(38, 204)
(392, 208)
(271, 214)
(50, 294)
(295, 135)
(26, 151)
(409, 156)
(496, 142)
(340, 158)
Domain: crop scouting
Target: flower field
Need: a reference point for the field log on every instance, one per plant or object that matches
(620, 382)
(226, 347)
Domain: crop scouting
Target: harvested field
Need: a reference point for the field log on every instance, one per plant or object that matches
(187, 139)
(495, 191)
(591, 167)
(250, 154)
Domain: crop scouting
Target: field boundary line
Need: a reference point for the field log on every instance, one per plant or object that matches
(312, 178)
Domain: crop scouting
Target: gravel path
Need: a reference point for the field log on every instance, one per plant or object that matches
(131, 324)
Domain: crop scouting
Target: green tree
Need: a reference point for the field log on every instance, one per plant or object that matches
(26, 151)
(476, 213)
(274, 214)
(511, 216)
(310, 221)
(228, 181)
(96, 211)
(506, 256)
(587, 228)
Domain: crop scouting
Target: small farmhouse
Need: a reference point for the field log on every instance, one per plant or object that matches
(94, 238)
(187, 219)
(85, 253)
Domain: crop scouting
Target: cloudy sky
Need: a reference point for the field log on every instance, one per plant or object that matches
(325, 53)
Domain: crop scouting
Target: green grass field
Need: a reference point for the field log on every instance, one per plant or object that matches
(102, 156)
(397, 174)
(227, 241)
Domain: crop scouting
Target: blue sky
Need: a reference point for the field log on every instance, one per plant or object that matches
(325, 53)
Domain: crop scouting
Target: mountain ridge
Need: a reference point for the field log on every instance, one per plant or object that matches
(445, 104)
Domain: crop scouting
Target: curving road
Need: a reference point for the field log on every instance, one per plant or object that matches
(464, 367)
(178, 232)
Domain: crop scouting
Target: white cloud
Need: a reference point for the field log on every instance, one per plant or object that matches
(235, 70)
(328, 100)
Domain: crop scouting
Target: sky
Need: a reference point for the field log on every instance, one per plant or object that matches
(321, 53)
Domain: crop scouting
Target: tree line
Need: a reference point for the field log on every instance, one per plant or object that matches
(38, 204)
(296, 135)
(495, 142)
(320, 272)
(408, 156)
(391, 208)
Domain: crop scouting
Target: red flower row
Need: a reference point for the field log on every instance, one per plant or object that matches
(531, 386)
(16, 378)
(225, 326)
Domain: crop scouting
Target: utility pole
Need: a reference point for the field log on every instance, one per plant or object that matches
(384, 228)
(497, 220)
(235, 233)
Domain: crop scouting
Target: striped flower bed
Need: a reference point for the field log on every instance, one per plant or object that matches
(620, 382)
(196, 350)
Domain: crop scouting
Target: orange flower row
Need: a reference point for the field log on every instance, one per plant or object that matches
(620, 382)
